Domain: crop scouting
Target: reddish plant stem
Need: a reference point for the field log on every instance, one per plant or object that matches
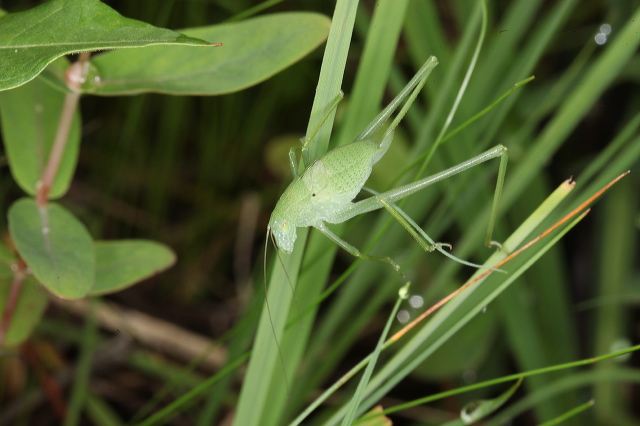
(74, 77)
(50, 386)
(12, 301)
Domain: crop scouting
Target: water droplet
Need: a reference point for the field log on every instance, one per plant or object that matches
(416, 301)
(97, 79)
(600, 38)
(605, 29)
(619, 344)
(403, 316)
(15, 51)
(469, 376)
(484, 309)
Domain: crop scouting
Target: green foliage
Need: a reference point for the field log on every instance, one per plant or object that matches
(191, 172)
(122, 263)
(31, 40)
(56, 246)
(458, 206)
(477, 410)
(29, 117)
(41, 132)
(252, 51)
(29, 309)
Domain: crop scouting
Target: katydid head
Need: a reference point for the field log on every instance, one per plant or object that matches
(284, 232)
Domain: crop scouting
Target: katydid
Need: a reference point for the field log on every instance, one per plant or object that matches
(323, 193)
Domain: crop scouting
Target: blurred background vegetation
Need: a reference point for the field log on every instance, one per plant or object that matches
(201, 174)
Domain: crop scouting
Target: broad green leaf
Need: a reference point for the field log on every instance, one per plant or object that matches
(251, 52)
(55, 245)
(119, 264)
(30, 115)
(30, 40)
(32, 302)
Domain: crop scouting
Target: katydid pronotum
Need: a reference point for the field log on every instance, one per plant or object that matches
(323, 193)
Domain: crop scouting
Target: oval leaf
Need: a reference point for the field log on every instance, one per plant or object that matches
(119, 264)
(32, 39)
(55, 245)
(30, 115)
(32, 302)
(253, 50)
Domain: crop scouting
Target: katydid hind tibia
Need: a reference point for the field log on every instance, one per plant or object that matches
(324, 192)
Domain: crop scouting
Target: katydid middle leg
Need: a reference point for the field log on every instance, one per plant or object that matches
(426, 242)
(354, 251)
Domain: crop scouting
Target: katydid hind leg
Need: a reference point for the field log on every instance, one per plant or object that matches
(426, 242)
(401, 192)
(388, 198)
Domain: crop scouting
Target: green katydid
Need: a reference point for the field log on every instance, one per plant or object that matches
(323, 193)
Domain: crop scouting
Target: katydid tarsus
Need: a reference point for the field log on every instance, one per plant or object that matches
(324, 192)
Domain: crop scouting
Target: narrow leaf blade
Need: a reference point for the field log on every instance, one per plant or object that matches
(476, 410)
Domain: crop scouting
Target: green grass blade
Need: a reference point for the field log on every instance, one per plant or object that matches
(264, 379)
(364, 380)
(83, 372)
(444, 323)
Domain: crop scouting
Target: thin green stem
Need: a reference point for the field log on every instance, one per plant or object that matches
(461, 91)
(486, 383)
